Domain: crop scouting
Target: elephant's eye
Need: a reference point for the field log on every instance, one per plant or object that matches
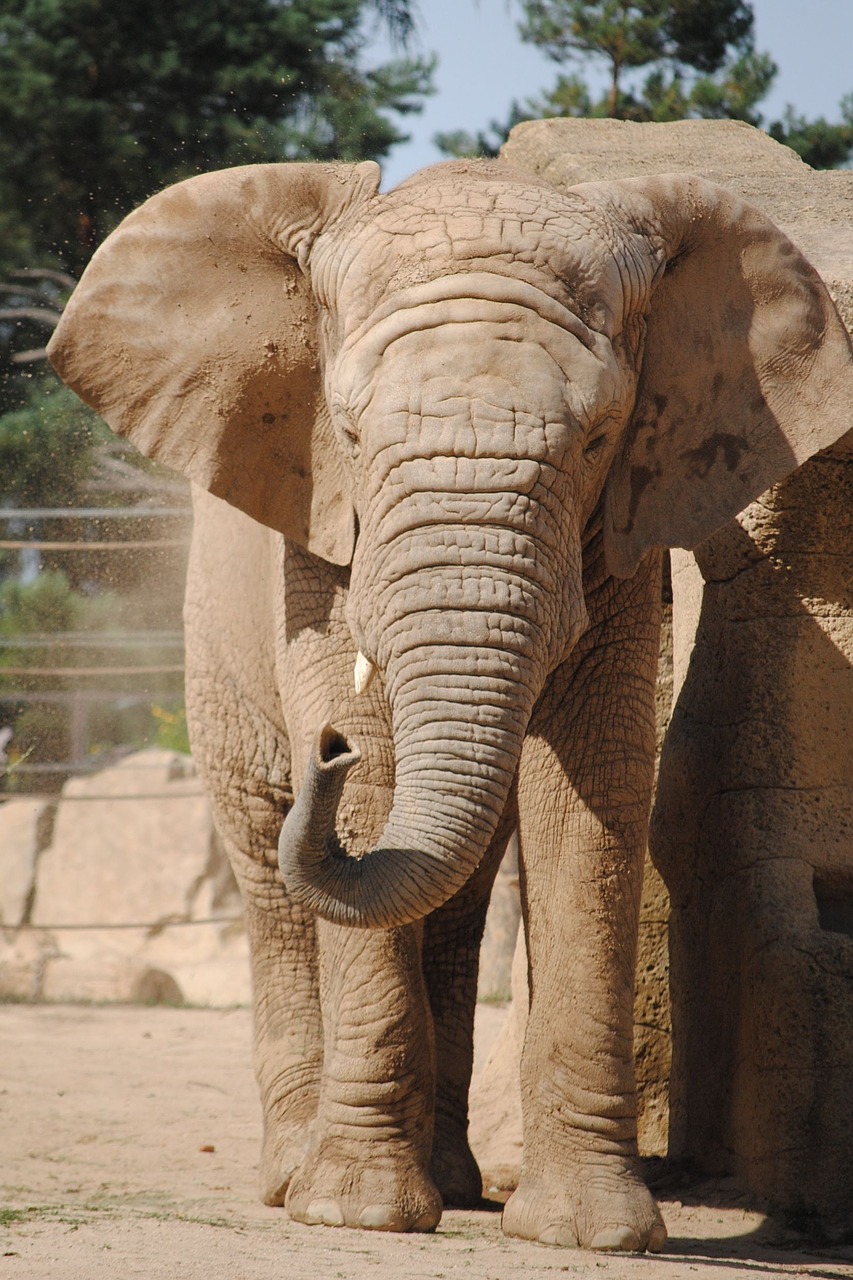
(594, 445)
(346, 429)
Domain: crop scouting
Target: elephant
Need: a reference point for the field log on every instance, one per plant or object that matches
(437, 438)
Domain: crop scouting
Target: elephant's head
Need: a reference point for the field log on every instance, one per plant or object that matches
(445, 387)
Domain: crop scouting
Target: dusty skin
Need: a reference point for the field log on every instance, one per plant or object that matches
(129, 1148)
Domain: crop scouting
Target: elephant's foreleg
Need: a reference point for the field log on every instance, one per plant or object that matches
(584, 790)
(368, 1162)
(451, 950)
(288, 1035)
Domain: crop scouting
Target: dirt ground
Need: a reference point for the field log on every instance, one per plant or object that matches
(128, 1147)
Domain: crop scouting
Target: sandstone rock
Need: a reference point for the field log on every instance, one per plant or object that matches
(652, 1017)
(813, 207)
(25, 830)
(652, 1007)
(131, 845)
(206, 964)
(134, 899)
(754, 832)
(501, 932)
(24, 957)
(104, 971)
(495, 1130)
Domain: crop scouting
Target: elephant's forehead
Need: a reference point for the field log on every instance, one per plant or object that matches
(472, 228)
(425, 231)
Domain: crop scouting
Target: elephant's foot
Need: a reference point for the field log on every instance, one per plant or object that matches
(454, 1169)
(605, 1208)
(339, 1187)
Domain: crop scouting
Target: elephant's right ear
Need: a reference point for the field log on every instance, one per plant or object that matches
(194, 333)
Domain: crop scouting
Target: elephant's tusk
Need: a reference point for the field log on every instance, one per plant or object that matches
(363, 673)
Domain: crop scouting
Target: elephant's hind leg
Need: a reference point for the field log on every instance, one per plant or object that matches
(241, 747)
(451, 949)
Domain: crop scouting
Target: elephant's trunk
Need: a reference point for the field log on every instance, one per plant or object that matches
(452, 594)
(455, 766)
(368, 891)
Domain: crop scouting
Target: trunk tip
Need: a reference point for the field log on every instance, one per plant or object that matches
(332, 751)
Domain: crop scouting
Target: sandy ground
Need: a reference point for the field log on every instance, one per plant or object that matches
(128, 1147)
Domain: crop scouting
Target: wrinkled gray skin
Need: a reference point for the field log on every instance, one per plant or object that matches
(431, 399)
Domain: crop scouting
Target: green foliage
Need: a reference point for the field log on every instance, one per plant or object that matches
(486, 142)
(700, 55)
(730, 95)
(700, 34)
(623, 34)
(49, 626)
(701, 63)
(103, 102)
(42, 732)
(695, 33)
(342, 123)
(821, 144)
(45, 446)
(171, 732)
(31, 303)
(47, 604)
(734, 94)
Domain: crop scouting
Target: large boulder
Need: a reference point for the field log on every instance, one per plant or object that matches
(131, 843)
(26, 827)
(132, 898)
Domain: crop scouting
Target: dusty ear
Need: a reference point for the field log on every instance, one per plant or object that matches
(193, 332)
(747, 368)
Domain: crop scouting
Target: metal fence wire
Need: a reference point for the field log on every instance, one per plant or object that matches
(76, 686)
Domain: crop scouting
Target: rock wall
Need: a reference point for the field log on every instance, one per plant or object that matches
(120, 891)
(652, 1007)
(753, 831)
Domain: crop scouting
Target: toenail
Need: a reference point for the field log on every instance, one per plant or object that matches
(427, 1221)
(381, 1217)
(657, 1238)
(559, 1234)
(324, 1212)
(623, 1239)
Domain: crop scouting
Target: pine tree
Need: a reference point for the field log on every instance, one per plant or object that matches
(102, 102)
(700, 61)
(700, 35)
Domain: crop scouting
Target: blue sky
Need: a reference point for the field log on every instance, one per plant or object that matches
(483, 65)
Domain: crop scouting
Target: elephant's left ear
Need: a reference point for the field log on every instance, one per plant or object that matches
(747, 370)
(194, 332)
